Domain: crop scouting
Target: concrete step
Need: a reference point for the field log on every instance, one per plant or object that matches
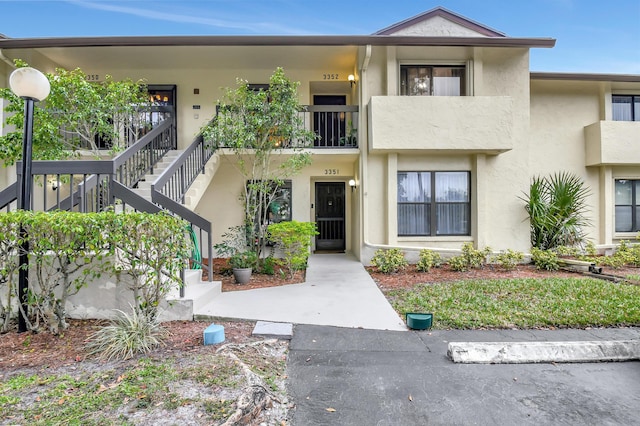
(143, 192)
(197, 294)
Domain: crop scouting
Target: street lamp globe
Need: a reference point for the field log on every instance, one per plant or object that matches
(29, 83)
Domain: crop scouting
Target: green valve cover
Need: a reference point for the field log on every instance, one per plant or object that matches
(419, 321)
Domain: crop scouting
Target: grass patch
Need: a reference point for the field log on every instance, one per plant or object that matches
(103, 398)
(523, 303)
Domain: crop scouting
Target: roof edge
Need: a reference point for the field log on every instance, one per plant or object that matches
(320, 40)
(632, 78)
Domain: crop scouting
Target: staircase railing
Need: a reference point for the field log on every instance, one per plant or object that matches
(92, 185)
(178, 177)
(140, 158)
(169, 189)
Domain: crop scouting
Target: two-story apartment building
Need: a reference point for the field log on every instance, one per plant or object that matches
(430, 130)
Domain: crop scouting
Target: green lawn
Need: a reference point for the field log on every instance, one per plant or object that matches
(523, 303)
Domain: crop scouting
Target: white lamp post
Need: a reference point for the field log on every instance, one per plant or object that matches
(32, 86)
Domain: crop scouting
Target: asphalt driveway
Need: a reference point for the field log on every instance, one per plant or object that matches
(346, 376)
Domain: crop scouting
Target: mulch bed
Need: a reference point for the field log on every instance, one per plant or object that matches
(411, 276)
(45, 350)
(222, 272)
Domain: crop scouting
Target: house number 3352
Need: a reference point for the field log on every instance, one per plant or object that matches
(331, 171)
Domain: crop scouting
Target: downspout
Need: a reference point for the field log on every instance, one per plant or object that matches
(365, 149)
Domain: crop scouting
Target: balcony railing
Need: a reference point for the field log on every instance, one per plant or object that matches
(130, 129)
(334, 126)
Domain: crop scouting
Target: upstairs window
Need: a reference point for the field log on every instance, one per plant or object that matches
(626, 107)
(436, 80)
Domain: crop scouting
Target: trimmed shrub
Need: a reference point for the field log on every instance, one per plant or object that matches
(428, 259)
(294, 239)
(469, 258)
(545, 259)
(389, 260)
(508, 259)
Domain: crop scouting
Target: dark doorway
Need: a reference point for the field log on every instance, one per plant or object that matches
(163, 102)
(330, 214)
(329, 126)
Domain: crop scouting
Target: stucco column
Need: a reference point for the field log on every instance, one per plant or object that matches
(475, 70)
(606, 205)
(479, 208)
(392, 199)
(392, 71)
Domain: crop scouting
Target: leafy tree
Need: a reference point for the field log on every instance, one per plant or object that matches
(76, 114)
(257, 126)
(557, 209)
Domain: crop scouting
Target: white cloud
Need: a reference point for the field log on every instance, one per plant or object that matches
(179, 17)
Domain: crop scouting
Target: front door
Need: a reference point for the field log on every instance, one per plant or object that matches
(330, 214)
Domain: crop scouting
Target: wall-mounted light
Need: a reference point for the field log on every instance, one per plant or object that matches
(352, 184)
(352, 79)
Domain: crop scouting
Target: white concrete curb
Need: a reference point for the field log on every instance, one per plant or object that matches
(539, 352)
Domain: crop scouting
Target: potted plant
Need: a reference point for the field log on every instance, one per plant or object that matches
(243, 264)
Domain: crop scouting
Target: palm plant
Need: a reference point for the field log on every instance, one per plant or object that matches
(557, 209)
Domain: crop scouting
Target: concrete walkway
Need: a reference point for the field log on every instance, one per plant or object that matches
(338, 292)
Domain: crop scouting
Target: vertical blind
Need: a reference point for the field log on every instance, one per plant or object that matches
(433, 203)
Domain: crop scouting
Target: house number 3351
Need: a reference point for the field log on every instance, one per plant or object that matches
(331, 171)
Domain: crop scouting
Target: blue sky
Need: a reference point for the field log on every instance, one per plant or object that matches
(601, 36)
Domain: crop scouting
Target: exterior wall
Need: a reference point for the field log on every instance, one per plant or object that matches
(221, 204)
(499, 170)
(437, 26)
(560, 111)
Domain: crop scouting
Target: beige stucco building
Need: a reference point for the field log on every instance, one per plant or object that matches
(431, 144)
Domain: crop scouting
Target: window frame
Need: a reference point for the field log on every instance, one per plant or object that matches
(635, 100)
(635, 205)
(465, 86)
(431, 207)
(287, 185)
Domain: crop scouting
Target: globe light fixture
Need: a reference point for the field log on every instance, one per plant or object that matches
(32, 86)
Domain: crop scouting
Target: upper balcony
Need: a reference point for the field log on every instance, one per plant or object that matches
(335, 128)
(442, 124)
(612, 143)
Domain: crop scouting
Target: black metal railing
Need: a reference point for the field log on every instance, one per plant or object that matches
(169, 189)
(93, 185)
(140, 158)
(176, 179)
(334, 126)
(127, 130)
